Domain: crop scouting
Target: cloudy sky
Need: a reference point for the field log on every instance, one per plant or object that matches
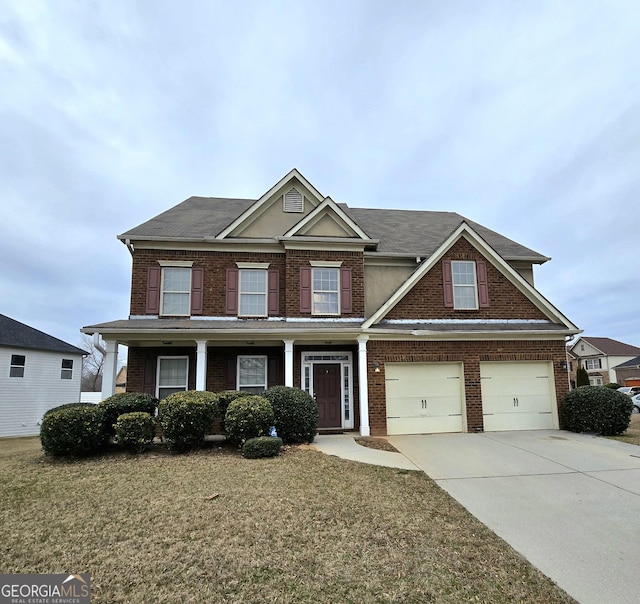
(523, 116)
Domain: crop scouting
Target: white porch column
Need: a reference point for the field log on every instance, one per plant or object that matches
(363, 385)
(201, 365)
(288, 363)
(109, 369)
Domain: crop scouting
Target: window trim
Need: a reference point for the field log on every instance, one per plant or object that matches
(265, 293)
(159, 362)
(456, 287)
(16, 369)
(163, 292)
(66, 373)
(338, 290)
(266, 371)
(593, 361)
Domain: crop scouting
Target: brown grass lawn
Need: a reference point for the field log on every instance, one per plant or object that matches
(304, 527)
(632, 435)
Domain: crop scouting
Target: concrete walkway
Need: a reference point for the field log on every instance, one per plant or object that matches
(569, 503)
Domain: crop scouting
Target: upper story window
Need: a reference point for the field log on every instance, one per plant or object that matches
(325, 289)
(17, 365)
(175, 289)
(253, 293)
(465, 284)
(593, 364)
(66, 371)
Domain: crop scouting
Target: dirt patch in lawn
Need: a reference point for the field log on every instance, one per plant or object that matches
(632, 434)
(376, 443)
(214, 527)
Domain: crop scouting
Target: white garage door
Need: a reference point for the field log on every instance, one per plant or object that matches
(424, 398)
(518, 396)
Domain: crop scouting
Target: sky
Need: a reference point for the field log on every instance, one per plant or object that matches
(521, 116)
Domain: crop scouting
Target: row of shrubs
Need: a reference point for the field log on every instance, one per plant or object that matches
(183, 419)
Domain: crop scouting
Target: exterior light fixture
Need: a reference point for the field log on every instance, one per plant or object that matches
(376, 366)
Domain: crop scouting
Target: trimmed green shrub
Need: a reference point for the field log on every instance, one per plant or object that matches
(596, 409)
(186, 417)
(69, 406)
(295, 414)
(612, 385)
(135, 430)
(262, 446)
(223, 399)
(582, 377)
(73, 431)
(126, 402)
(248, 417)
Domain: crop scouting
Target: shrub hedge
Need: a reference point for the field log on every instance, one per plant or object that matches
(135, 430)
(295, 414)
(186, 417)
(262, 446)
(248, 417)
(126, 402)
(596, 409)
(69, 406)
(73, 431)
(222, 401)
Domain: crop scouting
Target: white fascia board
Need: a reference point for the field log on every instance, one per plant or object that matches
(317, 213)
(464, 230)
(438, 336)
(265, 197)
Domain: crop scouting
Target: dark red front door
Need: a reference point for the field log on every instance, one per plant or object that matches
(326, 385)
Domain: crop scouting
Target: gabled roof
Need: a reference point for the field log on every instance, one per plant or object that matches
(18, 335)
(609, 347)
(469, 233)
(631, 364)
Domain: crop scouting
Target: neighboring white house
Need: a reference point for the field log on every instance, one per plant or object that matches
(37, 372)
(600, 357)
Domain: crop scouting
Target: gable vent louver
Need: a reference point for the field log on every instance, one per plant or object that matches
(293, 201)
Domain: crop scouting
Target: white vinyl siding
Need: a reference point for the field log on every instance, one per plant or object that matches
(24, 401)
(176, 292)
(173, 375)
(252, 374)
(326, 292)
(465, 291)
(253, 293)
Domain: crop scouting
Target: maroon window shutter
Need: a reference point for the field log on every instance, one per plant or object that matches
(230, 372)
(305, 289)
(483, 286)
(149, 376)
(345, 290)
(232, 292)
(447, 282)
(153, 290)
(273, 302)
(197, 291)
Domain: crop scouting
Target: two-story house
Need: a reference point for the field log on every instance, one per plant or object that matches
(601, 356)
(396, 321)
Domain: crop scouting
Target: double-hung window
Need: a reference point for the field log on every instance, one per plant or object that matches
(176, 291)
(253, 293)
(465, 293)
(326, 292)
(173, 375)
(593, 364)
(252, 374)
(66, 371)
(18, 362)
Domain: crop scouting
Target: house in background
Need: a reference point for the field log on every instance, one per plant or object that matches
(395, 321)
(629, 372)
(37, 372)
(121, 380)
(601, 357)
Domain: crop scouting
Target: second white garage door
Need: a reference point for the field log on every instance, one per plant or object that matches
(518, 396)
(423, 398)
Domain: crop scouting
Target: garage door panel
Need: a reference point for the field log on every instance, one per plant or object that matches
(517, 396)
(424, 398)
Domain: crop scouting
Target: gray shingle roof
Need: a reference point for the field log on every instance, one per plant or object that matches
(632, 364)
(406, 232)
(18, 335)
(611, 347)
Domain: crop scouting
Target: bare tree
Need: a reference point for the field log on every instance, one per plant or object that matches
(92, 366)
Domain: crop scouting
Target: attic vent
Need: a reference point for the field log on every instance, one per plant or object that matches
(293, 201)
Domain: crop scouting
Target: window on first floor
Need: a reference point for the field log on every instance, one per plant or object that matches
(595, 381)
(173, 375)
(593, 364)
(17, 365)
(252, 374)
(66, 371)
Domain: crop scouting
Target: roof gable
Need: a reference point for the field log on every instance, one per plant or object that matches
(605, 346)
(466, 231)
(18, 335)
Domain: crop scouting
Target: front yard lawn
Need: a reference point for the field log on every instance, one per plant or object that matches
(632, 434)
(214, 527)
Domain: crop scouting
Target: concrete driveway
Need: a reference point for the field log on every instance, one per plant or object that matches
(569, 503)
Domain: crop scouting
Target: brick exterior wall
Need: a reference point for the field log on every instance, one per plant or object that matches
(426, 299)
(471, 354)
